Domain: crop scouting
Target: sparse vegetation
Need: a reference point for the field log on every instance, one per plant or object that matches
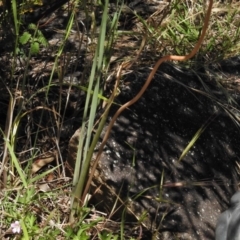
(38, 79)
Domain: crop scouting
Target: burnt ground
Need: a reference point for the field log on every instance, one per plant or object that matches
(179, 101)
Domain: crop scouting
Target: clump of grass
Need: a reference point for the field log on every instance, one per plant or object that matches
(179, 30)
(32, 208)
(23, 200)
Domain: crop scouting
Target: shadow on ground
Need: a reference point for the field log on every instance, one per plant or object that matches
(148, 139)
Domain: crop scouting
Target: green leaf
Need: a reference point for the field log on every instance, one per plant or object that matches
(43, 40)
(34, 48)
(32, 26)
(25, 38)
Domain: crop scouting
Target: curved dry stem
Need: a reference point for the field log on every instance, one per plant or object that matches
(145, 86)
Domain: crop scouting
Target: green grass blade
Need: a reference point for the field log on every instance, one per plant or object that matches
(196, 136)
(16, 163)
